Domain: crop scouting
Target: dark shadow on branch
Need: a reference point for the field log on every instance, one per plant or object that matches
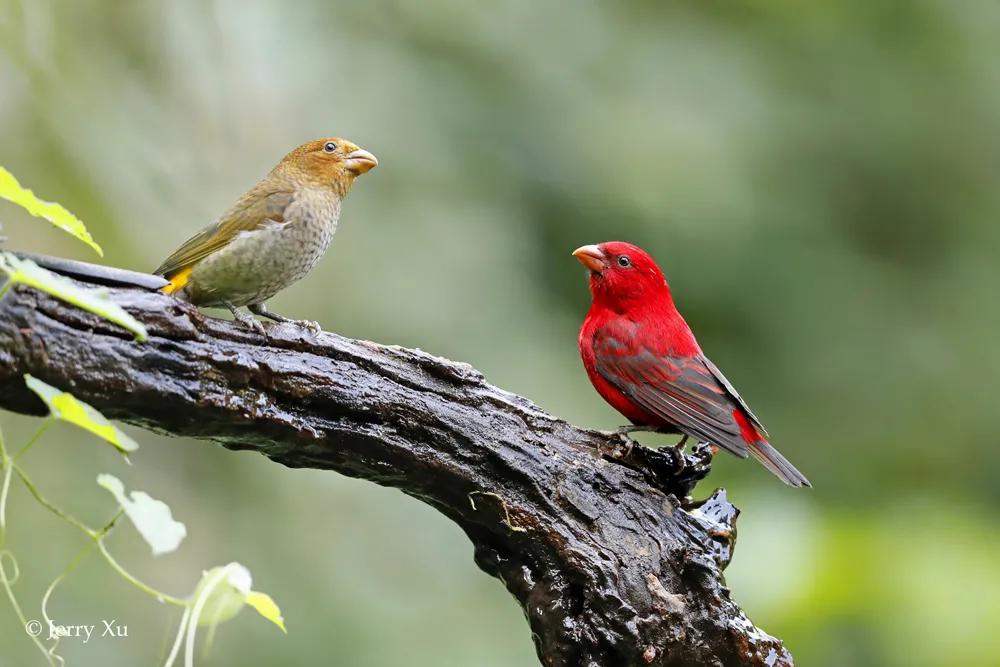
(595, 540)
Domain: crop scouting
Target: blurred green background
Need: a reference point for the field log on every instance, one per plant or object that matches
(818, 181)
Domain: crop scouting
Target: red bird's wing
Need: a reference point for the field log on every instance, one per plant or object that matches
(735, 394)
(691, 394)
(685, 392)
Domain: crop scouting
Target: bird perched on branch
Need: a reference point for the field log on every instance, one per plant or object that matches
(272, 236)
(643, 359)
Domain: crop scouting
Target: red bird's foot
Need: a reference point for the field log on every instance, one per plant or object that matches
(619, 445)
(633, 428)
(704, 452)
(628, 444)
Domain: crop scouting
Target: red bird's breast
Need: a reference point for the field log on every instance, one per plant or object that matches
(617, 399)
(611, 336)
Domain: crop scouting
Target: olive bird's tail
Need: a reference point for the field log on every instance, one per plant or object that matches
(95, 273)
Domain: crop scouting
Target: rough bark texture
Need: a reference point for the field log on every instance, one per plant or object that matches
(595, 540)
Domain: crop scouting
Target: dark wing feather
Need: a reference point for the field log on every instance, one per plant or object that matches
(252, 212)
(682, 391)
(732, 392)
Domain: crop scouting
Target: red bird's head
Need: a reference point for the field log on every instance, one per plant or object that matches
(623, 276)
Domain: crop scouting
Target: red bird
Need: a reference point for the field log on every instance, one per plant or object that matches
(643, 359)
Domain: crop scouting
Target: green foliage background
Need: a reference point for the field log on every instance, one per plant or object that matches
(819, 182)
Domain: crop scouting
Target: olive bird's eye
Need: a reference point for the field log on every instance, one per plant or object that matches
(330, 147)
(624, 261)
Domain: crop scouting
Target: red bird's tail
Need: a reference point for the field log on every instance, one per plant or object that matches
(772, 459)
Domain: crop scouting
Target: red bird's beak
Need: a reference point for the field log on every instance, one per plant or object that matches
(360, 161)
(591, 257)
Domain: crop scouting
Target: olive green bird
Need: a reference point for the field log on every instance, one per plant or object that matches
(272, 237)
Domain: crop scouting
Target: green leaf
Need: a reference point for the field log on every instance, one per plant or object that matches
(152, 518)
(229, 593)
(66, 407)
(26, 272)
(12, 191)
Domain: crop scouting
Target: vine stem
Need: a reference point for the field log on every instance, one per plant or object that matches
(46, 423)
(83, 553)
(199, 605)
(7, 466)
(79, 558)
(162, 597)
(8, 583)
(65, 516)
(179, 640)
(98, 538)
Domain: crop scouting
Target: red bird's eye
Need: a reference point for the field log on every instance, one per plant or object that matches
(624, 261)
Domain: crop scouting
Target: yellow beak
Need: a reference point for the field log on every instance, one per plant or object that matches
(360, 161)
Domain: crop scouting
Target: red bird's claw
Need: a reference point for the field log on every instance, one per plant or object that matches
(619, 445)
(604, 452)
(680, 459)
(623, 448)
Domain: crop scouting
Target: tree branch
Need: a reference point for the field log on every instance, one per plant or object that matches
(593, 538)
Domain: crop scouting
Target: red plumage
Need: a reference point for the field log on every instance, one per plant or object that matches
(644, 360)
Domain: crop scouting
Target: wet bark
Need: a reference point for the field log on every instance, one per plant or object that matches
(598, 542)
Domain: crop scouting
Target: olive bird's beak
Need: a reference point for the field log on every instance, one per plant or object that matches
(591, 257)
(360, 161)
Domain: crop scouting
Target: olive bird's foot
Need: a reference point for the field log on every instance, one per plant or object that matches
(311, 325)
(249, 322)
(262, 311)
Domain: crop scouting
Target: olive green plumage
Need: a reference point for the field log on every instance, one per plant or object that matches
(274, 234)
